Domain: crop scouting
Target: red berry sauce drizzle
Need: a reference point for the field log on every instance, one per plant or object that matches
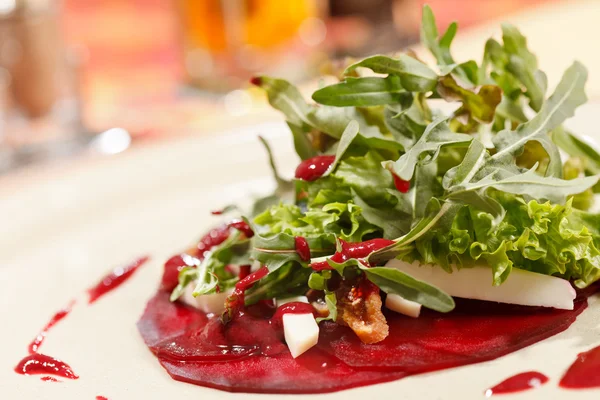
(302, 248)
(352, 250)
(584, 372)
(314, 168)
(39, 339)
(114, 279)
(401, 185)
(36, 364)
(40, 364)
(518, 383)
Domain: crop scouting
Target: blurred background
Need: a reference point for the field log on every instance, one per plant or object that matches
(100, 76)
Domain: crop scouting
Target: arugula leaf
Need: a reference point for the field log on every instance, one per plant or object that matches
(187, 275)
(436, 135)
(287, 281)
(569, 94)
(523, 65)
(349, 135)
(360, 92)
(274, 251)
(331, 302)
(440, 48)
(576, 147)
(394, 281)
(414, 75)
(285, 97)
(393, 222)
(437, 214)
(529, 184)
(207, 280)
(302, 143)
(480, 105)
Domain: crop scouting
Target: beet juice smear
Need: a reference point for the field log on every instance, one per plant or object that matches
(518, 383)
(248, 353)
(584, 372)
(115, 279)
(35, 344)
(49, 379)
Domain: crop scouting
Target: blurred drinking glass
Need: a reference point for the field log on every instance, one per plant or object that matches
(227, 41)
(42, 115)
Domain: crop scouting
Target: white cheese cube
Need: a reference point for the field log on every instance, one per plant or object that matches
(300, 299)
(301, 332)
(208, 303)
(521, 287)
(399, 304)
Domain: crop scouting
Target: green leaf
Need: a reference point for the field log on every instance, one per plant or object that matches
(281, 183)
(285, 97)
(437, 214)
(424, 187)
(331, 302)
(480, 105)
(569, 94)
(576, 147)
(414, 75)
(318, 280)
(277, 250)
(394, 281)
(440, 48)
(522, 64)
(287, 281)
(436, 136)
(302, 142)
(349, 135)
(393, 222)
(361, 92)
(187, 275)
(529, 184)
(213, 265)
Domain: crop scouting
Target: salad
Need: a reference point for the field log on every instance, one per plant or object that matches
(418, 184)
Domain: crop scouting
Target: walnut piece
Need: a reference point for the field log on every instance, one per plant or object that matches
(359, 307)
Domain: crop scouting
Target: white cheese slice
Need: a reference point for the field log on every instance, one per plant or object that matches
(301, 299)
(301, 332)
(208, 303)
(399, 304)
(521, 287)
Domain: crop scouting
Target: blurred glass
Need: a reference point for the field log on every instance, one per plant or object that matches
(226, 41)
(41, 117)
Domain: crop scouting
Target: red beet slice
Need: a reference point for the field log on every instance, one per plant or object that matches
(163, 320)
(474, 332)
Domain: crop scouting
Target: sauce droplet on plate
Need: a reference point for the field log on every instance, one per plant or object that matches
(36, 364)
(36, 343)
(114, 279)
(101, 398)
(49, 379)
(584, 372)
(518, 383)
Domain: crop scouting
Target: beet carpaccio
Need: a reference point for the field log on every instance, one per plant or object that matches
(409, 240)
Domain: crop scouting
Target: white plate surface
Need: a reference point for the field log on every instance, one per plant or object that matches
(61, 231)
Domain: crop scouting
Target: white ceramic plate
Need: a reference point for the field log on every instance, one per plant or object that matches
(62, 230)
